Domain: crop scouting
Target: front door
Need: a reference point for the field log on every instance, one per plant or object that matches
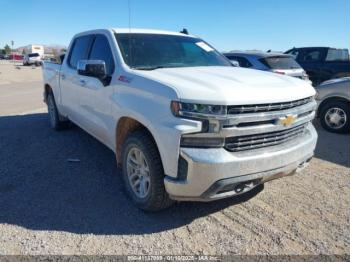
(95, 94)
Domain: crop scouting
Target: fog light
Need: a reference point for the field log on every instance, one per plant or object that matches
(202, 142)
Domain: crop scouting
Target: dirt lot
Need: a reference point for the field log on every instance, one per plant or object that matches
(52, 206)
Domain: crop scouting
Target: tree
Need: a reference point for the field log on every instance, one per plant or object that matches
(54, 52)
(7, 49)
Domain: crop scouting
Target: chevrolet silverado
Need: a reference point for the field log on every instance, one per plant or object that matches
(183, 123)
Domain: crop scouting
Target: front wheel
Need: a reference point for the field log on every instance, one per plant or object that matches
(143, 172)
(335, 117)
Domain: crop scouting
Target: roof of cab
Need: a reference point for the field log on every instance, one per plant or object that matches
(131, 30)
(147, 31)
(258, 54)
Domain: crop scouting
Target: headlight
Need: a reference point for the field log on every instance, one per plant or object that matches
(209, 115)
(197, 110)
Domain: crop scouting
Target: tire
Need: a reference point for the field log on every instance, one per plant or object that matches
(155, 197)
(340, 109)
(54, 116)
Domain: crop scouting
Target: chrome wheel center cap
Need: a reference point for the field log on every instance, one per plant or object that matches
(335, 118)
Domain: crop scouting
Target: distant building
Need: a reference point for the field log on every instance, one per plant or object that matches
(45, 51)
(34, 49)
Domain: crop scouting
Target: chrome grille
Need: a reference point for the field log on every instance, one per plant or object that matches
(243, 109)
(241, 143)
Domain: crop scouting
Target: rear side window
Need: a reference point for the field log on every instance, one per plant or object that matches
(337, 55)
(101, 50)
(79, 50)
(280, 62)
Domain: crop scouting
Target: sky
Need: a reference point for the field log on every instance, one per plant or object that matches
(226, 24)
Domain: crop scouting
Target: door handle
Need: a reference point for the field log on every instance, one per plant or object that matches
(82, 82)
(63, 76)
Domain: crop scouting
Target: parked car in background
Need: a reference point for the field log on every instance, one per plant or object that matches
(15, 57)
(333, 98)
(32, 59)
(322, 63)
(2, 57)
(183, 122)
(273, 62)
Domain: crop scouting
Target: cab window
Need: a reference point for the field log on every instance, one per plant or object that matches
(312, 55)
(242, 61)
(101, 50)
(79, 50)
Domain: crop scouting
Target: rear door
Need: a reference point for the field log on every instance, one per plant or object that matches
(70, 81)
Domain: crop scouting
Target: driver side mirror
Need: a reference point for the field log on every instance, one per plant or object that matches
(93, 68)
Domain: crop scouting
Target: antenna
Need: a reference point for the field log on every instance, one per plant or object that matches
(184, 31)
(129, 16)
(130, 52)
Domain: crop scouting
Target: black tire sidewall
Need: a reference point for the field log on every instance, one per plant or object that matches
(143, 142)
(58, 124)
(335, 104)
(129, 145)
(51, 99)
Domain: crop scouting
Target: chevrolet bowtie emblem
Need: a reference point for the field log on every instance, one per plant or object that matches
(288, 120)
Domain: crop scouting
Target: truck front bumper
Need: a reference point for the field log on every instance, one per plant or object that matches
(212, 174)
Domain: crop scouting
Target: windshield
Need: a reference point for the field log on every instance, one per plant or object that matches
(280, 62)
(33, 55)
(152, 51)
(337, 55)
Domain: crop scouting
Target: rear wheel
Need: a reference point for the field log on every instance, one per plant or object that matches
(54, 116)
(335, 117)
(143, 172)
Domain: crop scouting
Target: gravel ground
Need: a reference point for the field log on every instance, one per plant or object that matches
(52, 206)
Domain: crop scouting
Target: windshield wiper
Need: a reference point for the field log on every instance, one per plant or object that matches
(150, 68)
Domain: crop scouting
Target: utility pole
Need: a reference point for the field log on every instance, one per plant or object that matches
(13, 56)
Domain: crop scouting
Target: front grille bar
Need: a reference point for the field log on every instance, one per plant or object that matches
(244, 109)
(235, 144)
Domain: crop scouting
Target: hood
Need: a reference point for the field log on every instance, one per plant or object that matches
(335, 81)
(230, 85)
